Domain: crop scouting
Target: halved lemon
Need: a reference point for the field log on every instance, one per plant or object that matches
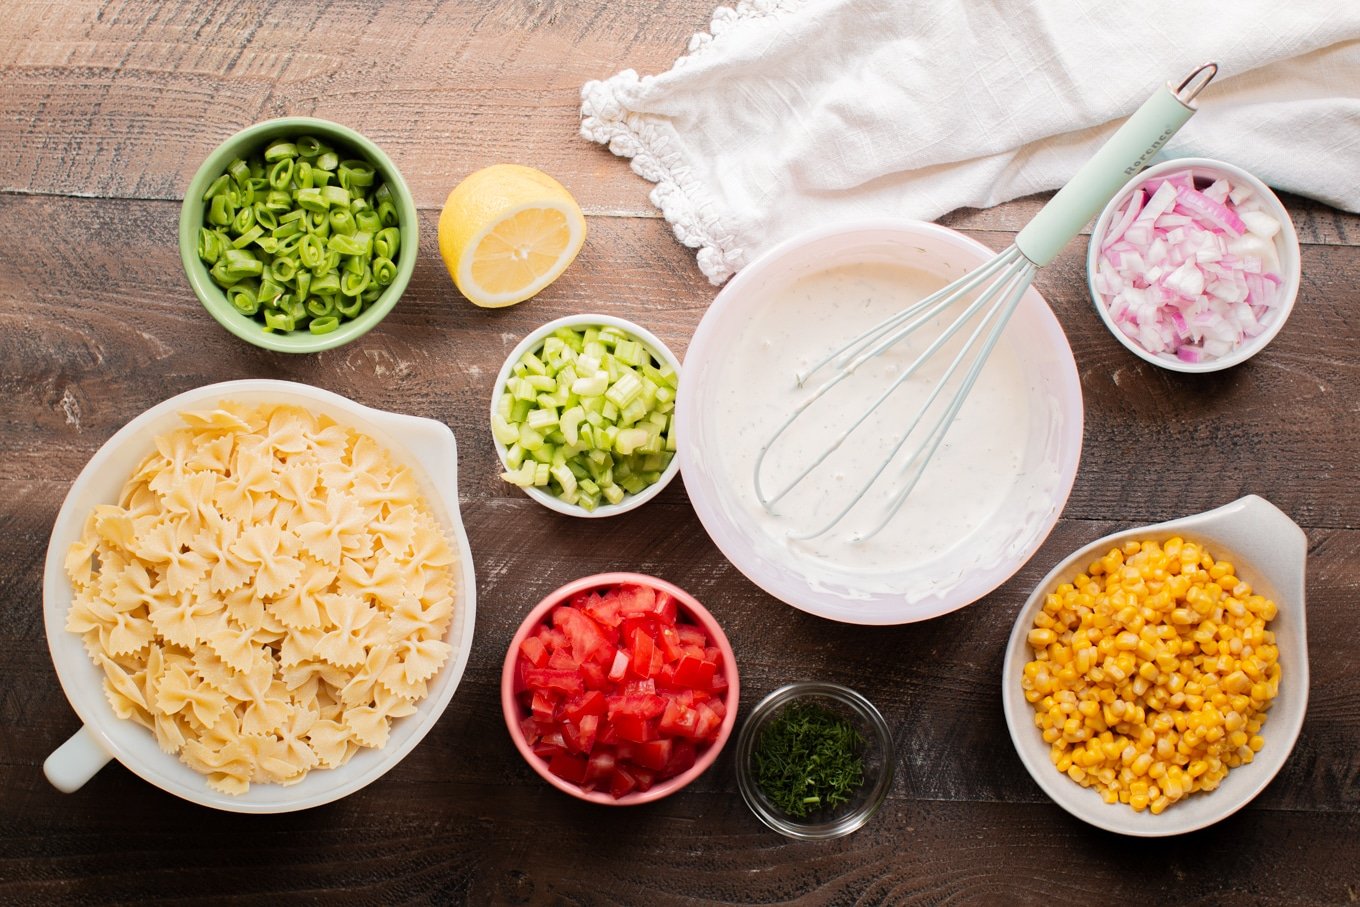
(508, 231)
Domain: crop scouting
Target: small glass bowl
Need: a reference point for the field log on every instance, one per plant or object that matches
(878, 761)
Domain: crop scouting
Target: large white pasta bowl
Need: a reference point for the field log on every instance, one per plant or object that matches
(424, 445)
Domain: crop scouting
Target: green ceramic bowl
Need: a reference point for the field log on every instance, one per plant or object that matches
(253, 139)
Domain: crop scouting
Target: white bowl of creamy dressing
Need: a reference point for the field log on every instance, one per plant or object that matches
(988, 498)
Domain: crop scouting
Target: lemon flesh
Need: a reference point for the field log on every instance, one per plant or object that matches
(508, 231)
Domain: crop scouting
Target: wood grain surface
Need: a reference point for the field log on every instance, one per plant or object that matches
(106, 109)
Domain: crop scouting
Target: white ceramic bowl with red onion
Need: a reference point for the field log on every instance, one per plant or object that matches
(1194, 265)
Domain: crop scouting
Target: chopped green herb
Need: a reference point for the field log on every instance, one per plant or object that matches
(809, 759)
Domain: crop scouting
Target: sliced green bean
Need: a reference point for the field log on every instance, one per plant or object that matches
(300, 236)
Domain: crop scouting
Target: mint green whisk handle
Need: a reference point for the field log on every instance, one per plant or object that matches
(1141, 136)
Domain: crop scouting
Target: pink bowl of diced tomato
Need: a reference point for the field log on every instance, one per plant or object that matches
(619, 689)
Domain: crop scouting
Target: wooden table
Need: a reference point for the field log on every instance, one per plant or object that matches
(106, 109)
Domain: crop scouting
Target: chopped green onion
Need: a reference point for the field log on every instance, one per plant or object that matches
(299, 237)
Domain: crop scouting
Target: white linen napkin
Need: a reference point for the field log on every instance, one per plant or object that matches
(792, 113)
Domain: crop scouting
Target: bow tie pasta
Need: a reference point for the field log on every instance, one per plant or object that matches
(268, 594)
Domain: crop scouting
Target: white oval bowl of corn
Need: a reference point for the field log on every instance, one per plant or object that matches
(1156, 680)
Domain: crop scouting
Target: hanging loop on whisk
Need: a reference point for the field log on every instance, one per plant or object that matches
(1197, 81)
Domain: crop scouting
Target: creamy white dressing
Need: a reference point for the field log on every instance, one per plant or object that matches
(978, 470)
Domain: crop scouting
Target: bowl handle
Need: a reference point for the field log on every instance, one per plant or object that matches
(75, 761)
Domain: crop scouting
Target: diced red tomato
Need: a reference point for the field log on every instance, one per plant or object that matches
(568, 767)
(616, 693)
(604, 611)
(591, 703)
(695, 673)
(642, 648)
(664, 607)
(584, 634)
(634, 728)
(635, 599)
(668, 641)
(682, 758)
(601, 763)
(621, 781)
(590, 729)
(535, 651)
(568, 682)
(619, 668)
(542, 707)
(593, 675)
(678, 719)
(691, 635)
(708, 724)
(653, 754)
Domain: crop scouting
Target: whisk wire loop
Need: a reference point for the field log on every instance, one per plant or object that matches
(1011, 260)
(1007, 291)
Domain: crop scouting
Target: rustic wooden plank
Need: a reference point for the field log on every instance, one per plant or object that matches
(444, 89)
(125, 100)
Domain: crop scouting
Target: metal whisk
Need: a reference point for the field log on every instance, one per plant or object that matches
(996, 288)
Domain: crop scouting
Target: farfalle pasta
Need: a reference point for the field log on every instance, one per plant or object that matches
(269, 593)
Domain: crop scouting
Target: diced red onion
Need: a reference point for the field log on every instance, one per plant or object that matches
(1186, 275)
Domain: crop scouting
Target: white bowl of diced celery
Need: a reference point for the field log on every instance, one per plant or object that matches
(583, 415)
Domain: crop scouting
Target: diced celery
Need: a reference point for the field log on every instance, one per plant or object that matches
(502, 430)
(534, 364)
(593, 386)
(629, 352)
(539, 420)
(519, 477)
(635, 410)
(588, 416)
(565, 478)
(570, 422)
(629, 440)
(530, 439)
